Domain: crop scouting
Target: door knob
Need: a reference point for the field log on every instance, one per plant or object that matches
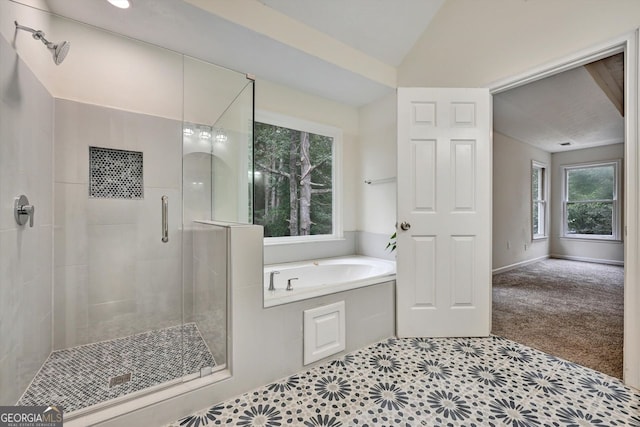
(404, 226)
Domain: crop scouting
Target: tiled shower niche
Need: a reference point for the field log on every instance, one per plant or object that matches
(115, 174)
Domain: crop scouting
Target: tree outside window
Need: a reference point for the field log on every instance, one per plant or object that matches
(293, 181)
(591, 202)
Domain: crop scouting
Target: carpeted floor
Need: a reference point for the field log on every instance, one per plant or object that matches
(573, 310)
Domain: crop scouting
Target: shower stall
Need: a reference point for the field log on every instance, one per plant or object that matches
(121, 153)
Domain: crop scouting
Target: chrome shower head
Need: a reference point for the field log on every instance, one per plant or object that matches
(58, 50)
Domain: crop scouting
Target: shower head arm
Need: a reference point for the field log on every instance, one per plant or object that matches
(22, 27)
(36, 34)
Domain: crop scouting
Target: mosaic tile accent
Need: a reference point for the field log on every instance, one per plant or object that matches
(434, 382)
(79, 377)
(115, 174)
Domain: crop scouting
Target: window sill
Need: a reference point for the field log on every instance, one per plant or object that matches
(537, 238)
(277, 241)
(592, 239)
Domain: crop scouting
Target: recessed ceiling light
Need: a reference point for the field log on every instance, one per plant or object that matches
(122, 4)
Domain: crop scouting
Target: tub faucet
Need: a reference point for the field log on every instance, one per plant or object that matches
(271, 284)
(289, 286)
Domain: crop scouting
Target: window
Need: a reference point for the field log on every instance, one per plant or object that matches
(295, 179)
(538, 200)
(591, 208)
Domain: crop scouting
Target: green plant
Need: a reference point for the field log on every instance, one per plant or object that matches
(392, 242)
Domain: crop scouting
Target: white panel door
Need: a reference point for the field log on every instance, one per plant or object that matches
(444, 212)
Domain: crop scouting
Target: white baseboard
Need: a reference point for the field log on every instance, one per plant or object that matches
(518, 264)
(583, 259)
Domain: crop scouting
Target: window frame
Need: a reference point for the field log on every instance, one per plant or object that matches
(281, 120)
(616, 228)
(544, 190)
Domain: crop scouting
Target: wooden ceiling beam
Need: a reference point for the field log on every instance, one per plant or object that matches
(608, 73)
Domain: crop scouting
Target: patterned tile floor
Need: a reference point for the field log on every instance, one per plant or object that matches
(435, 382)
(78, 377)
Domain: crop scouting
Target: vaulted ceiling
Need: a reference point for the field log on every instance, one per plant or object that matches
(582, 107)
(348, 51)
(345, 51)
(384, 29)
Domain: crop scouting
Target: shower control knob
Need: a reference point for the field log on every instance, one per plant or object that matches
(404, 226)
(23, 211)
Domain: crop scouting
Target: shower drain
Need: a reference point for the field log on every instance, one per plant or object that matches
(119, 379)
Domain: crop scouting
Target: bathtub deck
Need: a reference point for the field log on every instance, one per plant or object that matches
(302, 290)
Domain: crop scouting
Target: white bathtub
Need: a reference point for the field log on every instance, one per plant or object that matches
(324, 276)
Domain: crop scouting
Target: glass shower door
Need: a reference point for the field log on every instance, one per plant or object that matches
(217, 172)
(117, 321)
(118, 292)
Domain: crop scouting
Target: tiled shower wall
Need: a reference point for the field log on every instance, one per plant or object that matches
(26, 142)
(113, 275)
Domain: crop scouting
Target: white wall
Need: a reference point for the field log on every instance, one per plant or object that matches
(473, 43)
(594, 250)
(377, 160)
(26, 167)
(512, 241)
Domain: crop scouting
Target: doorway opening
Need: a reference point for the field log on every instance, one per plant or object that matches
(558, 252)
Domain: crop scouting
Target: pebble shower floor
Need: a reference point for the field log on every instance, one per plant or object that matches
(434, 382)
(79, 377)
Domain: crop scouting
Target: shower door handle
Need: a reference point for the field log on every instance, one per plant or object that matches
(165, 219)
